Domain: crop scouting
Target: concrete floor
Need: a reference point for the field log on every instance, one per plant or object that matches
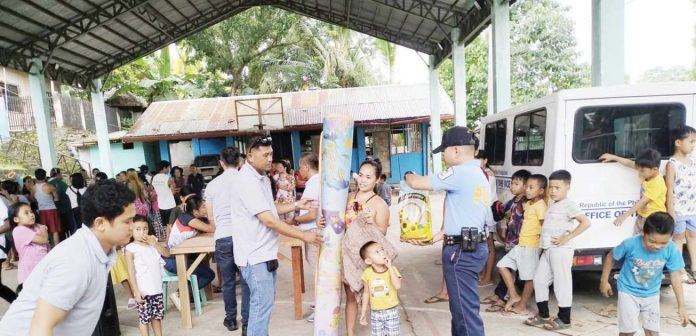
(422, 278)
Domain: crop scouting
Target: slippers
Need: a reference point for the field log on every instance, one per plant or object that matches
(485, 284)
(435, 299)
(489, 300)
(514, 313)
(687, 278)
(494, 308)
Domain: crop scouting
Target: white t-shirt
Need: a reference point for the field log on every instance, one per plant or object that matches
(559, 220)
(72, 195)
(147, 261)
(165, 197)
(312, 189)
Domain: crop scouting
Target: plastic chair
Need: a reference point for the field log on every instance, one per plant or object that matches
(198, 295)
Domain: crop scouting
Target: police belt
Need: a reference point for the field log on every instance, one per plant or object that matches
(456, 240)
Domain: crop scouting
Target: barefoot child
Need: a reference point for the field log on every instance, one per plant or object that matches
(30, 240)
(524, 257)
(144, 260)
(644, 259)
(557, 257)
(382, 281)
(653, 190)
(514, 212)
(681, 194)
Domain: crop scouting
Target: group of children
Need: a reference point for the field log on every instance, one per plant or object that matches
(539, 241)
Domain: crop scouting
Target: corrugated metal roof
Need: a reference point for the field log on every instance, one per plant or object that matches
(217, 116)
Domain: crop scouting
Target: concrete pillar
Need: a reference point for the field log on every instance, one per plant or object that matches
(500, 56)
(101, 127)
(459, 67)
(42, 115)
(296, 149)
(361, 144)
(57, 107)
(435, 131)
(607, 42)
(4, 119)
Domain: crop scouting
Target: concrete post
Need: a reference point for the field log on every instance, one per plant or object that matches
(42, 115)
(435, 131)
(607, 42)
(4, 119)
(500, 57)
(459, 67)
(102, 129)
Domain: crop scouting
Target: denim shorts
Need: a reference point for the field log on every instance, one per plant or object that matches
(683, 223)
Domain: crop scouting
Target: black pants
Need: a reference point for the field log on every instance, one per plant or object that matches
(5, 292)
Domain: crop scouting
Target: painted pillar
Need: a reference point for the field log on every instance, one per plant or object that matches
(4, 119)
(336, 149)
(296, 149)
(164, 151)
(42, 115)
(607, 42)
(361, 144)
(196, 146)
(459, 67)
(424, 145)
(102, 129)
(500, 79)
(435, 131)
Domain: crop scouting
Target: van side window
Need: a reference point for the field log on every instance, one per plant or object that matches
(495, 138)
(528, 142)
(625, 130)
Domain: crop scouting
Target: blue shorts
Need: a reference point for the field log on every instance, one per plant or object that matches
(683, 223)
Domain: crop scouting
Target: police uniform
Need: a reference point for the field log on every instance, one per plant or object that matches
(466, 206)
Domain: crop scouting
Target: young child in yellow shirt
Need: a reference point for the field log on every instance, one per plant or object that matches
(382, 281)
(653, 190)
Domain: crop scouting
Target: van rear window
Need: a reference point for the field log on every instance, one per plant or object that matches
(528, 141)
(495, 137)
(625, 130)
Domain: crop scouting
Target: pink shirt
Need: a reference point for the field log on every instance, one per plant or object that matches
(29, 253)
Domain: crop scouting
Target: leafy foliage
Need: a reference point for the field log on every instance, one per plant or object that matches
(543, 58)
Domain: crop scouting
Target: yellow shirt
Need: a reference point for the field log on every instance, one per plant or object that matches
(655, 190)
(531, 225)
(382, 292)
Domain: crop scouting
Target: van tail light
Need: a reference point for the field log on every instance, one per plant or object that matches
(590, 260)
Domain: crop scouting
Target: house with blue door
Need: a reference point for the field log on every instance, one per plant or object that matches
(391, 123)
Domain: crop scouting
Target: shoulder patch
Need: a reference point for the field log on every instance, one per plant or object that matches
(446, 173)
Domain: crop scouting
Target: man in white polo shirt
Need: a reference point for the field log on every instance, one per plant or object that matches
(65, 293)
(256, 227)
(218, 200)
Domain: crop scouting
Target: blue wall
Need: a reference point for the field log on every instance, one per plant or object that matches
(208, 146)
(164, 151)
(296, 149)
(122, 159)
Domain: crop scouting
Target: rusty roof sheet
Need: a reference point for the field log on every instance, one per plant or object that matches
(212, 117)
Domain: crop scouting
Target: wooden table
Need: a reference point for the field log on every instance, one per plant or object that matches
(204, 243)
(298, 281)
(201, 244)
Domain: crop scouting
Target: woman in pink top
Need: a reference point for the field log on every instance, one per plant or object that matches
(30, 239)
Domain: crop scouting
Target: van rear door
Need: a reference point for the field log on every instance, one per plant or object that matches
(622, 126)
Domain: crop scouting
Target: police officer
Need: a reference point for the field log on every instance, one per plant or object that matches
(466, 210)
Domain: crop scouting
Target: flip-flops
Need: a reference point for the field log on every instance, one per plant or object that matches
(495, 308)
(489, 300)
(688, 278)
(556, 324)
(435, 299)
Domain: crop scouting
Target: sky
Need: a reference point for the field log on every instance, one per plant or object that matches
(657, 34)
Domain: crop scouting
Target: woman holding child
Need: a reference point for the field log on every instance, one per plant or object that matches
(367, 219)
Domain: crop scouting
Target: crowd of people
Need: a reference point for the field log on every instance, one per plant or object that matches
(128, 224)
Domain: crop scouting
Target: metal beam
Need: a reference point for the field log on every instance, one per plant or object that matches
(421, 10)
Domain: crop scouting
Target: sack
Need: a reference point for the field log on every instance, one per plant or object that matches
(414, 214)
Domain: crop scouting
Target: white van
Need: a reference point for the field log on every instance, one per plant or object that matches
(570, 129)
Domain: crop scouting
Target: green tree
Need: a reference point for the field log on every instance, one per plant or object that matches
(543, 58)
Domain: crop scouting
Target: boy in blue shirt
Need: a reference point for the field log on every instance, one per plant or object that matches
(644, 258)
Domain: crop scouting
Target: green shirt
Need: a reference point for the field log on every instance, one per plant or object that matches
(63, 203)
